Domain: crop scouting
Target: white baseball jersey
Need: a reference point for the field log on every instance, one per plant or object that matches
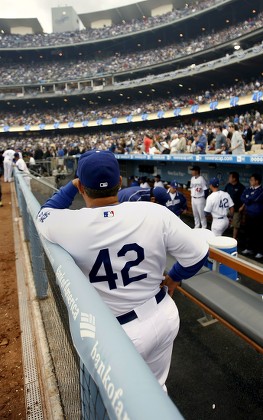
(123, 247)
(8, 155)
(198, 186)
(218, 204)
(21, 164)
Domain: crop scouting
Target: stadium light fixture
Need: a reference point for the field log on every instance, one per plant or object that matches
(254, 11)
(237, 47)
(227, 20)
(180, 84)
(181, 35)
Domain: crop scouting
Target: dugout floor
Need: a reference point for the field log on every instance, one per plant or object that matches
(214, 374)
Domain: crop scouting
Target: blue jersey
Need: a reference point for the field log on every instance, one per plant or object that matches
(134, 194)
(176, 203)
(253, 200)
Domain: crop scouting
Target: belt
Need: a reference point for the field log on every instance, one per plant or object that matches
(130, 316)
(221, 217)
(202, 196)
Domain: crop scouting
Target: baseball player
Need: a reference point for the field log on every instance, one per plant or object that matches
(199, 193)
(22, 166)
(121, 248)
(177, 201)
(219, 204)
(158, 182)
(8, 164)
(156, 195)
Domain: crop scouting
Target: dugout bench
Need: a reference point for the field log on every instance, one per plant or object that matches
(234, 305)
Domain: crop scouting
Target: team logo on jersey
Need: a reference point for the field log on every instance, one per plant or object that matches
(43, 215)
(109, 213)
(87, 325)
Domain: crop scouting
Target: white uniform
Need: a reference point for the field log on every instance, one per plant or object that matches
(8, 164)
(198, 187)
(158, 184)
(22, 166)
(218, 204)
(122, 251)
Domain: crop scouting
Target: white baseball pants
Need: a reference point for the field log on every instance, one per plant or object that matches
(153, 334)
(219, 226)
(198, 205)
(8, 169)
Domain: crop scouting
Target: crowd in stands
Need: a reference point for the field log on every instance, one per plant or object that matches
(95, 111)
(62, 70)
(193, 138)
(88, 34)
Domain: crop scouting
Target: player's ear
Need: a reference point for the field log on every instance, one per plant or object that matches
(120, 180)
(80, 187)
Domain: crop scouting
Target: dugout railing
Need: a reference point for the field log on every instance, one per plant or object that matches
(99, 373)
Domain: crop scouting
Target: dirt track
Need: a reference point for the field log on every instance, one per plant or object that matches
(12, 400)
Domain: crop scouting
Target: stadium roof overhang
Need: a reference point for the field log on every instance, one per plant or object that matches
(126, 13)
(7, 24)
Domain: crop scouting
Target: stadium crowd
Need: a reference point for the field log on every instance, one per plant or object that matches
(95, 111)
(89, 34)
(62, 70)
(194, 137)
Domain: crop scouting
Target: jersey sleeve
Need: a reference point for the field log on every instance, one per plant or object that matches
(63, 198)
(183, 243)
(204, 184)
(208, 205)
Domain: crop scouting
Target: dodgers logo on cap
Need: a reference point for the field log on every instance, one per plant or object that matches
(98, 170)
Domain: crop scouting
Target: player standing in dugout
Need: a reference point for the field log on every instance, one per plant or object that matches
(122, 251)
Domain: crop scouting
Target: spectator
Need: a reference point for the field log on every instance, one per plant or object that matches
(237, 141)
(221, 144)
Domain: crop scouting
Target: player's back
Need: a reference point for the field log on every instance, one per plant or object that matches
(220, 203)
(134, 194)
(121, 249)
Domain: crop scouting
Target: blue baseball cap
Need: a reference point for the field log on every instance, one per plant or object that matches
(98, 170)
(161, 195)
(214, 182)
(174, 183)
